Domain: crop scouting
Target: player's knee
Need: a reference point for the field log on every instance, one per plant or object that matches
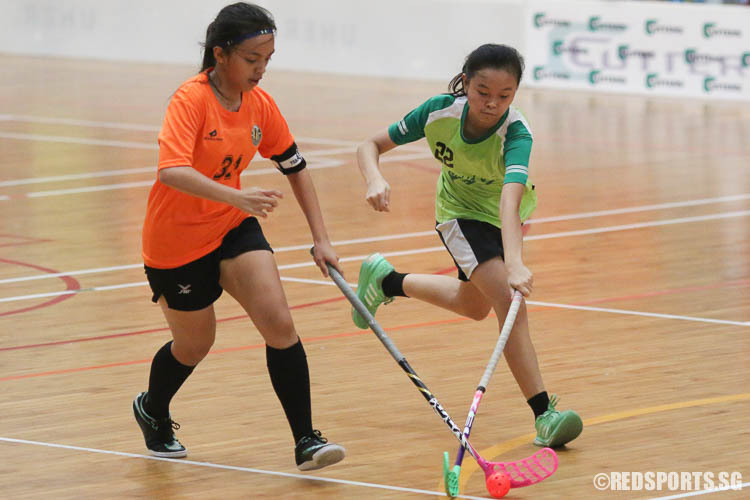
(283, 324)
(200, 351)
(279, 330)
(192, 353)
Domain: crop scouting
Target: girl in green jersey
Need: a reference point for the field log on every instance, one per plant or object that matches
(483, 196)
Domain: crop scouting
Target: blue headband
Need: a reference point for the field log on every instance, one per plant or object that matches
(242, 38)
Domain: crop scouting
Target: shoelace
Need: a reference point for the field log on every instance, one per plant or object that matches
(320, 437)
(165, 425)
(157, 423)
(550, 407)
(552, 402)
(316, 434)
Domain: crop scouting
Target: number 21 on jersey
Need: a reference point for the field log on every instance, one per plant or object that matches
(226, 164)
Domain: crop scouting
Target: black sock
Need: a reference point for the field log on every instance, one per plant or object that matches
(539, 403)
(291, 381)
(167, 376)
(393, 285)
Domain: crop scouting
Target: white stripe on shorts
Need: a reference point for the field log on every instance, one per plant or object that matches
(458, 246)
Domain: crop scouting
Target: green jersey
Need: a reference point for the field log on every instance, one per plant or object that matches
(473, 171)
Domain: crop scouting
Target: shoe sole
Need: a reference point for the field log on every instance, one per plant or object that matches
(171, 454)
(570, 428)
(328, 455)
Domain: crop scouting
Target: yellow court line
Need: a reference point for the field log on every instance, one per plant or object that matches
(469, 467)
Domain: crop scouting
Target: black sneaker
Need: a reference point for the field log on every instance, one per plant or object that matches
(315, 452)
(158, 433)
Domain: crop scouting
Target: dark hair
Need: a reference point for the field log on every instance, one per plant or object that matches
(231, 24)
(489, 55)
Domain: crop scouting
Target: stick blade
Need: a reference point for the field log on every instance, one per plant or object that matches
(450, 477)
(446, 471)
(452, 488)
(525, 472)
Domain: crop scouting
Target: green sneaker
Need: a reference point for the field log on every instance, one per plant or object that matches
(554, 428)
(369, 289)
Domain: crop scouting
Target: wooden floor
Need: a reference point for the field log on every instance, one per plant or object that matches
(641, 312)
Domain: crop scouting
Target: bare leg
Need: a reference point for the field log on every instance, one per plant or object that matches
(193, 332)
(490, 278)
(489, 289)
(253, 280)
(193, 335)
(461, 297)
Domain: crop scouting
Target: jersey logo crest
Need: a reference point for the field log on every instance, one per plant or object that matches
(213, 136)
(256, 135)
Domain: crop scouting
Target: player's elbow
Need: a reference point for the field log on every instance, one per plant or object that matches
(367, 148)
(168, 176)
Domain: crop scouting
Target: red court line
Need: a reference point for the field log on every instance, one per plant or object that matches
(322, 338)
(325, 301)
(70, 282)
(152, 330)
(87, 339)
(352, 334)
(74, 370)
(231, 349)
(25, 240)
(447, 270)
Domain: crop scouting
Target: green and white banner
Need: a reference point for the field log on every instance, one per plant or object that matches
(640, 47)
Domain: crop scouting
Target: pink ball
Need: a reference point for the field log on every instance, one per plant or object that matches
(498, 484)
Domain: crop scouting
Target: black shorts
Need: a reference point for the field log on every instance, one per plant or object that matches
(470, 242)
(196, 284)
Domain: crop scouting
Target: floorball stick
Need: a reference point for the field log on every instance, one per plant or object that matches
(525, 472)
(451, 476)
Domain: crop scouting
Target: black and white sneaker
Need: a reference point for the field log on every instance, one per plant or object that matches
(158, 433)
(315, 452)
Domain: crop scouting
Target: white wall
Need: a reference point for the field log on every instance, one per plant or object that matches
(423, 39)
(403, 38)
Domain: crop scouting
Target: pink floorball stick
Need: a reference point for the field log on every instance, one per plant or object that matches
(525, 472)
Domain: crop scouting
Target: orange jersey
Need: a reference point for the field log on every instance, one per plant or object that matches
(198, 132)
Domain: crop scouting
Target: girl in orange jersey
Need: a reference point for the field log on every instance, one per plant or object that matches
(199, 240)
